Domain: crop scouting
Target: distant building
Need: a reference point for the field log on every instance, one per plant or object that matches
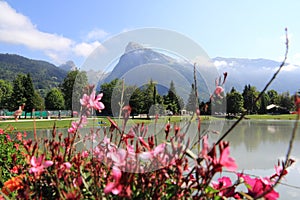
(275, 110)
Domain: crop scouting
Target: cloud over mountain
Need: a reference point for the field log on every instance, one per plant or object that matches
(258, 72)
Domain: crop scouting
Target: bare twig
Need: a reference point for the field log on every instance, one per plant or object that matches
(262, 92)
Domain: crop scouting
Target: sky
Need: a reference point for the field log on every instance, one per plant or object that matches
(58, 31)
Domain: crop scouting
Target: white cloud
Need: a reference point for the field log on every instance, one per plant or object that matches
(96, 34)
(16, 28)
(85, 49)
(221, 63)
(290, 68)
(202, 60)
(294, 59)
(127, 30)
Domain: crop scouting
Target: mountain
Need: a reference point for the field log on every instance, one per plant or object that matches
(138, 65)
(68, 66)
(257, 72)
(44, 74)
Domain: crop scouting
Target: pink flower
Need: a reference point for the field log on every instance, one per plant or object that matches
(95, 101)
(16, 145)
(114, 187)
(204, 146)
(1, 131)
(219, 90)
(39, 164)
(19, 136)
(129, 135)
(258, 186)
(167, 129)
(224, 185)
(15, 170)
(142, 141)
(85, 100)
(83, 121)
(227, 161)
(279, 169)
(77, 182)
(67, 165)
(219, 87)
(92, 101)
(224, 160)
(8, 138)
(85, 154)
(77, 125)
(73, 128)
(153, 153)
(118, 157)
(126, 111)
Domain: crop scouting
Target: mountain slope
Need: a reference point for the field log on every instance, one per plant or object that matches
(44, 75)
(138, 65)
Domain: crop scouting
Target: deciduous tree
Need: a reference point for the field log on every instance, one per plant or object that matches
(234, 101)
(72, 89)
(6, 90)
(54, 100)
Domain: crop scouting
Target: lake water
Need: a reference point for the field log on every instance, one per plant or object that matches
(256, 147)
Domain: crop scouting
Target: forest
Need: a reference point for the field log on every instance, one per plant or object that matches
(143, 100)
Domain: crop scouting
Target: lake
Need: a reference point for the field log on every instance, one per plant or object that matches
(256, 146)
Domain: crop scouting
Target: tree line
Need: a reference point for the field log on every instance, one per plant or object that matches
(143, 100)
(22, 91)
(239, 102)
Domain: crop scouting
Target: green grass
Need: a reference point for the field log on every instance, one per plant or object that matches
(28, 125)
(274, 117)
(48, 124)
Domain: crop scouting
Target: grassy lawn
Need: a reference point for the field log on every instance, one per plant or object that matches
(48, 124)
(28, 124)
(275, 117)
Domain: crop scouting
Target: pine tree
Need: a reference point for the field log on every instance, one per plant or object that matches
(172, 101)
(249, 95)
(17, 97)
(28, 94)
(191, 102)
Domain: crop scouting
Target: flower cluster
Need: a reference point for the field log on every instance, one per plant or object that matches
(92, 101)
(219, 90)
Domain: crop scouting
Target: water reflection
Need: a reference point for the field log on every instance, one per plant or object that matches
(257, 145)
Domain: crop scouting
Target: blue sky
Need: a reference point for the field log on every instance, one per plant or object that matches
(58, 31)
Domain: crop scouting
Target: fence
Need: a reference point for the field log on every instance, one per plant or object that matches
(39, 114)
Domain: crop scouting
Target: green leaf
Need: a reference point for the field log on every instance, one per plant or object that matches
(211, 190)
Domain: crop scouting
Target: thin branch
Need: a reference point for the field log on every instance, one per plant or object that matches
(262, 92)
